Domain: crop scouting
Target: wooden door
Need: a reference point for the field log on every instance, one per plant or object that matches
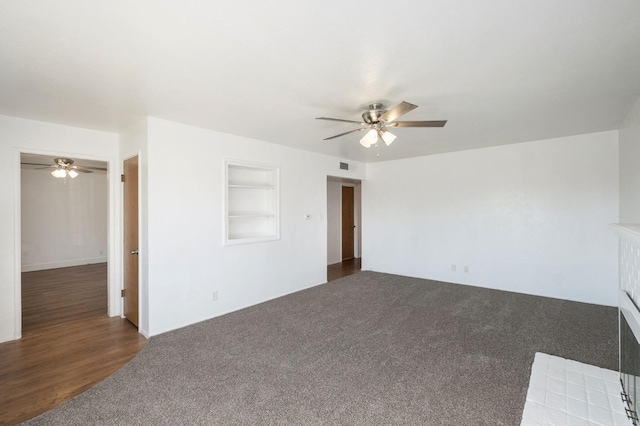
(130, 216)
(348, 222)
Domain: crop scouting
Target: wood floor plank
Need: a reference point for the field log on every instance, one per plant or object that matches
(56, 296)
(68, 346)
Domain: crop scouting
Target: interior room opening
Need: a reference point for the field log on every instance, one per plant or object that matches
(64, 239)
(344, 237)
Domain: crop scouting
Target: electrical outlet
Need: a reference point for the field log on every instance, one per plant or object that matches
(214, 296)
(453, 268)
(466, 269)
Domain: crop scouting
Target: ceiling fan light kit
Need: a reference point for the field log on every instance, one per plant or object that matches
(62, 173)
(377, 119)
(387, 136)
(370, 138)
(64, 168)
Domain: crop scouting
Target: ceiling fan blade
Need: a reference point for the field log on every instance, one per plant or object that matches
(101, 169)
(340, 119)
(433, 123)
(80, 169)
(345, 133)
(399, 110)
(37, 164)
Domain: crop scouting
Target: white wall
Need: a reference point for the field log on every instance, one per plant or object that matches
(334, 222)
(630, 167)
(187, 261)
(529, 217)
(63, 224)
(19, 135)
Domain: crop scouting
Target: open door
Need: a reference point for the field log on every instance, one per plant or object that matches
(130, 218)
(348, 222)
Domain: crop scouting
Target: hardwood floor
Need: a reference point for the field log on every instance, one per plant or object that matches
(342, 269)
(69, 345)
(57, 296)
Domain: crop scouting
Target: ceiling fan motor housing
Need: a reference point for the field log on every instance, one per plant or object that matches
(63, 161)
(373, 115)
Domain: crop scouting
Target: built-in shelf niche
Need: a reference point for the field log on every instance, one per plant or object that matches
(252, 203)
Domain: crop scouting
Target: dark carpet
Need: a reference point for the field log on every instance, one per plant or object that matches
(367, 349)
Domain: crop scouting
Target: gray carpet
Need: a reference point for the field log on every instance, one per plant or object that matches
(368, 349)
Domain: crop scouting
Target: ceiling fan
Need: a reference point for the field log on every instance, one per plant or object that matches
(64, 167)
(377, 120)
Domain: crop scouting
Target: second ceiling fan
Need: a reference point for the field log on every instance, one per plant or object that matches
(377, 120)
(64, 167)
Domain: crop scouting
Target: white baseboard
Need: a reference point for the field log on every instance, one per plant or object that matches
(144, 332)
(62, 264)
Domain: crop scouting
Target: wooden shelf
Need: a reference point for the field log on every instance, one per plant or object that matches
(247, 238)
(241, 215)
(245, 186)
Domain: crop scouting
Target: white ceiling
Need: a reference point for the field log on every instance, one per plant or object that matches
(501, 71)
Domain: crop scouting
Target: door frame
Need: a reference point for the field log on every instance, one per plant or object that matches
(114, 231)
(357, 184)
(354, 228)
(122, 251)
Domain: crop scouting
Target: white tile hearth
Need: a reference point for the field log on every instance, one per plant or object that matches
(564, 392)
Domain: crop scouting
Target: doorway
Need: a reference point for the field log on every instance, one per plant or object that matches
(348, 223)
(64, 240)
(130, 239)
(343, 227)
(57, 361)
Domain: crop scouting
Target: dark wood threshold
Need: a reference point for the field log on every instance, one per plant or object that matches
(344, 268)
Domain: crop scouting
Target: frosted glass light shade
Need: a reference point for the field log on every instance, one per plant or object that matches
(369, 139)
(59, 173)
(387, 137)
(72, 173)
